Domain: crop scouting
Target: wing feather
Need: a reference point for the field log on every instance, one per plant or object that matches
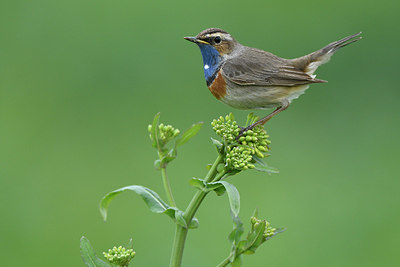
(256, 67)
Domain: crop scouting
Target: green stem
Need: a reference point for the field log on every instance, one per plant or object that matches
(225, 262)
(181, 232)
(167, 186)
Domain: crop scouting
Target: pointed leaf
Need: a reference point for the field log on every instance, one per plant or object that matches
(255, 213)
(256, 237)
(188, 134)
(266, 169)
(234, 236)
(198, 183)
(251, 118)
(233, 195)
(151, 198)
(154, 130)
(263, 167)
(277, 231)
(217, 143)
(89, 255)
(130, 244)
(259, 161)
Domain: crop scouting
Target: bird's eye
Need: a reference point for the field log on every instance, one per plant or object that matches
(217, 40)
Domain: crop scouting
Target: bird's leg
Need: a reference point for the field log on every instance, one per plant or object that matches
(284, 106)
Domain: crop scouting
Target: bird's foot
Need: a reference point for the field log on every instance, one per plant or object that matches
(244, 129)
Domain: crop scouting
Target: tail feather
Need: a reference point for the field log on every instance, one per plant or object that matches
(311, 62)
(332, 47)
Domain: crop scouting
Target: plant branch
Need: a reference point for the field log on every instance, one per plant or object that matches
(181, 232)
(167, 186)
(225, 262)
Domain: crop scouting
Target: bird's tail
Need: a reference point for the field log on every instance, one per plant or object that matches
(311, 62)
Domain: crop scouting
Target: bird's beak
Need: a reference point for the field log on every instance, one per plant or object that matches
(195, 40)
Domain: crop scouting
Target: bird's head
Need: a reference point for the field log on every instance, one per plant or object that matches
(215, 45)
(215, 38)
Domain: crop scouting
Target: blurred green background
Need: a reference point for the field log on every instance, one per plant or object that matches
(81, 80)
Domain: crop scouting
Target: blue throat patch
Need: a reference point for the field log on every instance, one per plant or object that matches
(212, 61)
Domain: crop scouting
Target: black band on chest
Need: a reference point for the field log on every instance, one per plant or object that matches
(211, 79)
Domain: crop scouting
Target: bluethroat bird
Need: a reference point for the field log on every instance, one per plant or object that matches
(249, 78)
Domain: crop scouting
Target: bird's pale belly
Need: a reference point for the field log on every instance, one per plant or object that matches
(256, 97)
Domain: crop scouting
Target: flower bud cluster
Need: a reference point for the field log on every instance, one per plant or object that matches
(268, 232)
(165, 132)
(226, 127)
(240, 151)
(239, 157)
(257, 140)
(119, 256)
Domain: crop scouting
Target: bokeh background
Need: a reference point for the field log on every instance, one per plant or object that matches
(81, 80)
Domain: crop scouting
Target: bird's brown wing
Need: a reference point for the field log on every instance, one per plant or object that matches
(256, 67)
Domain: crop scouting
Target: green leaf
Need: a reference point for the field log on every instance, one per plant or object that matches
(233, 195)
(217, 143)
(277, 231)
(263, 167)
(266, 169)
(214, 186)
(207, 187)
(234, 236)
(169, 157)
(198, 183)
(154, 130)
(89, 255)
(220, 190)
(130, 244)
(151, 198)
(237, 262)
(157, 164)
(241, 246)
(259, 161)
(251, 118)
(250, 251)
(255, 238)
(188, 134)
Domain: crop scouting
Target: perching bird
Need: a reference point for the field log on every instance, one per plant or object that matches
(249, 78)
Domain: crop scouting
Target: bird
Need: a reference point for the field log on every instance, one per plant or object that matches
(249, 78)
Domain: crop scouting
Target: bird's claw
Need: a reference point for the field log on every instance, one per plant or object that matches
(242, 130)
